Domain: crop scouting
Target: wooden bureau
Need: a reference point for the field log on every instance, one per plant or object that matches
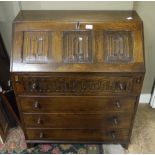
(77, 75)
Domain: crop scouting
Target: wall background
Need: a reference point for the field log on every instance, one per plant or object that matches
(8, 11)
(77, 5)
(146, 10)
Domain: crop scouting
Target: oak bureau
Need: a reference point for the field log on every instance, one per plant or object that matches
(77, 75)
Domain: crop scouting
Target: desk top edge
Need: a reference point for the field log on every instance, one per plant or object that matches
(76, 15)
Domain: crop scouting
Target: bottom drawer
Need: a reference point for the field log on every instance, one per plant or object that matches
(77, 135)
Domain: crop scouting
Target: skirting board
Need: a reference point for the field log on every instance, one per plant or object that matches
(145, 98)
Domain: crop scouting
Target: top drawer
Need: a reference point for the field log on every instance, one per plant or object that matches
(77, 84)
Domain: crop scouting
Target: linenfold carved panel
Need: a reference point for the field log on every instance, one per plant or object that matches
(77, 47)
(118, 46)
(37, 47)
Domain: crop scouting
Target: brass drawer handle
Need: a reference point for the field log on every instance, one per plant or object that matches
(115, 120)
(41, 135)
(39, 121)
(16, 78)
(117, 103)
(121, 86)
(36, 105)
(34, 86)
(113, 135)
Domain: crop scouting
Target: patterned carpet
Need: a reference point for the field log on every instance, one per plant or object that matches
(15, 143)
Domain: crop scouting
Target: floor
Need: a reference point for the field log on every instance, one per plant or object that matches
(143, 134)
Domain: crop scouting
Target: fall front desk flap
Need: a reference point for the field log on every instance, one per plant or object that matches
(77, 41)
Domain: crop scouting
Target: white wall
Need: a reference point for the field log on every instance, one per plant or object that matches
(1, 16)
(77, 5)
(8, 11)
(146, 11)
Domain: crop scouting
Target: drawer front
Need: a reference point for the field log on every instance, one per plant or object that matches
(77, 135)
(74, 85)
(76, 104)
(79, 121)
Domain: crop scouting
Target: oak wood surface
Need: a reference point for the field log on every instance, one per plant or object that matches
(84, 15)
(78, 104)
(79, 121)
(56, 48)
(77, 84)
(79, 135)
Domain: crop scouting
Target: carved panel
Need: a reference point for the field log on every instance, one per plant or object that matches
(67, 85)
(37, 47)
(77, 47)
(118, 46)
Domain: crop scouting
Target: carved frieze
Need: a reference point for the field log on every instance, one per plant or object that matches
(76, 85)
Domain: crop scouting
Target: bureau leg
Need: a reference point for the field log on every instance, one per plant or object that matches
(29, 145)
(125, 145)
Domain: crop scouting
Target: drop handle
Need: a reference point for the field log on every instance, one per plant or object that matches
(16, 78)
(113, 135)
(41, 135)
(121, 86)
(34, 85)
(115, 120)
(39, 121)
(118, 104)
(36, 105)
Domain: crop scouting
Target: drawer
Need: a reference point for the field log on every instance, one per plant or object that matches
(79, 121)
(76, 104)
(77, 135)
(79, 85)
